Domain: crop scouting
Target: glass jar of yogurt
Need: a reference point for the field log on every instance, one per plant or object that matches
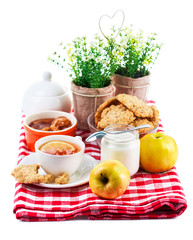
(124, 147)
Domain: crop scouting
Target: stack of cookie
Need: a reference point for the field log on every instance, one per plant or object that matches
(126, 109)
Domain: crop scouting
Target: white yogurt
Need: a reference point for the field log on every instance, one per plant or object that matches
(124, 147)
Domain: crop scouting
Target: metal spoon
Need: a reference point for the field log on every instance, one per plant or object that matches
(97, 135)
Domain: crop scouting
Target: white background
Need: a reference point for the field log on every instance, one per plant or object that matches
(30, 31)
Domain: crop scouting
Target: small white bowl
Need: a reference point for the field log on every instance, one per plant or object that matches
(56, 164)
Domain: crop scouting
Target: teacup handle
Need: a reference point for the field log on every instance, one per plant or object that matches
(78, 137)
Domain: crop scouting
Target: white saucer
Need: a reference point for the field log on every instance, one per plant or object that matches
(80, 177)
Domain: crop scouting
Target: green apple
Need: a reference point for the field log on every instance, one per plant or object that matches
(158, 152)
(109, 179)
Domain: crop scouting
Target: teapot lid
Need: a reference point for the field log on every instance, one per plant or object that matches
(45, 87)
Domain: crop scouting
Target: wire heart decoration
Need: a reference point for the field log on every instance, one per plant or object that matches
(111, 17)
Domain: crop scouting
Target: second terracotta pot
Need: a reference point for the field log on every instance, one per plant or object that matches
(134, 86)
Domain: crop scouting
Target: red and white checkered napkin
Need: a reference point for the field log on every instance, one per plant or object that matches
(148, 196)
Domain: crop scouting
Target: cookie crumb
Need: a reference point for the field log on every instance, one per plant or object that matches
(62, 178)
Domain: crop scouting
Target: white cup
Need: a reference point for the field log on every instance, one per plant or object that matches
(56, 164)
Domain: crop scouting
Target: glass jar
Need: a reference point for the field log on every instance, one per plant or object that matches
(124, 147)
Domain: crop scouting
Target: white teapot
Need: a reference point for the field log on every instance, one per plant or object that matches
(46, 95)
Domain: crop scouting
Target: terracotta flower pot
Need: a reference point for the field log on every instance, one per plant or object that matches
(87, 100)
(134, 86)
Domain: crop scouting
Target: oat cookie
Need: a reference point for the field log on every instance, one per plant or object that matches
(29, 174)
(115, 114)
(155, 118)
(107, 103)
(62, 178)
(142, 121)
(137, 106)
